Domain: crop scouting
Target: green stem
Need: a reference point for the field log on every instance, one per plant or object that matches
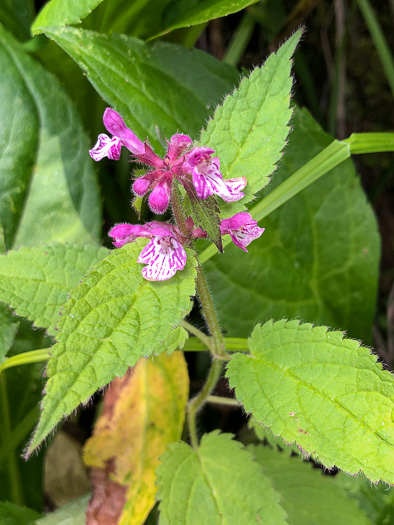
(18, 434)
(197, 402)
(12, 463)
(379, 40)
(207, 341)
(209, 312)
(178, 211)
(35, 356)
(229, 401)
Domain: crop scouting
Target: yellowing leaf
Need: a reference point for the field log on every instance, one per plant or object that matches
(143, 412)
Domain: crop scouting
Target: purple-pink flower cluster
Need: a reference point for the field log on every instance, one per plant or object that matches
(164, 255)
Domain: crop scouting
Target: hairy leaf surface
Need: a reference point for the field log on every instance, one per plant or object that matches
(36, 282)
(326, 393)
(217, 484)
(149, 85)
(62, 13)
(47, 182)
(111, 320)
(308, 496)
(318, 258)
(249, 130)
(143, 412)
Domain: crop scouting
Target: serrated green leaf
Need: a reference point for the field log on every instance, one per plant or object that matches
(48, 186)
(36, 282)
(326, 393)
(249, 130)
(308, 497)
(73, 513)
(150, 85)
(111, 320)
(62, 13)
(217, 484)
(318, 258)
(11, 514)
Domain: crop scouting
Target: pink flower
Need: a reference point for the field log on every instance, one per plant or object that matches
(242, 229)
(121, 136)
(207, 178)
(164, 255)
(158, 181)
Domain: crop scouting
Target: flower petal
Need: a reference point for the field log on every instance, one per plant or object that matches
(164, 256)
(125, 233)
(177, 146)
(116, 126)
(159, 199)
(243, 229)
(106, 147)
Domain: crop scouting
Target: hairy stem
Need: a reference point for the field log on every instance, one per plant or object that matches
(209, 312)
(197, 402)
(200, 335)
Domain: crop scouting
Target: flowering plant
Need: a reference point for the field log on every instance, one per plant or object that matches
(176, 308)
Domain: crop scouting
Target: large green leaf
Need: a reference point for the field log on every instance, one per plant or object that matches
(159, 85)
(36, 282)
(326, 393)
(308, 496)
(113, 318)
(151, 18)
(61, 13)
(47, 182)
(217, 484)
(16, 17)
(249, 130)
(317, 259)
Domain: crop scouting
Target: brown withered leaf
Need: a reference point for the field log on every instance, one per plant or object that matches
(143, 412)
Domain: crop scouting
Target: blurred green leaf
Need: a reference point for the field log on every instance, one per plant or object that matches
(376, 500)
(160, 85)
(317, 259)
(48, 183)
(11, 514)
(8, 328)
(308, 497)
(186, 13)
(61, 13)
(16, 16)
